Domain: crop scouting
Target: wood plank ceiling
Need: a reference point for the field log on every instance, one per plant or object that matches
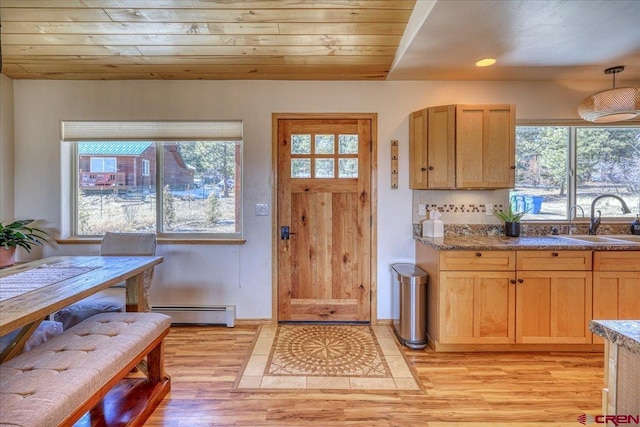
(201, 39)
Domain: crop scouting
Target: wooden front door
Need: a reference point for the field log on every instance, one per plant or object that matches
(324, 219)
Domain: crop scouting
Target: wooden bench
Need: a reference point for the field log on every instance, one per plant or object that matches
(58, 382)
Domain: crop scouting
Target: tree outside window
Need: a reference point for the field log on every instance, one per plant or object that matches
(606, 159)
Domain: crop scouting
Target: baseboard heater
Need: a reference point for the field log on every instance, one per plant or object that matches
(203, 315)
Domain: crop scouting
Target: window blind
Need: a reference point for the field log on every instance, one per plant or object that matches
(150, 130)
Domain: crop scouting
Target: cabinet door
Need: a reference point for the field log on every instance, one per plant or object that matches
(616, 295)
(553, 307)
(418, 161)
(441, 146)
(485, 146)
(477, 307)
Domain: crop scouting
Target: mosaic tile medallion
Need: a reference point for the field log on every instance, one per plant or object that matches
(327, 357)
(326, 350)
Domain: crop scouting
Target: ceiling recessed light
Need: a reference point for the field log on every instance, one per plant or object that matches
(485, 62)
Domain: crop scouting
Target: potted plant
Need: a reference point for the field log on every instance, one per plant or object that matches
(17, 234)
(511, 221)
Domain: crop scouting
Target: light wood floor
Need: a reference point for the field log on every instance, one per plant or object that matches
(461, 389)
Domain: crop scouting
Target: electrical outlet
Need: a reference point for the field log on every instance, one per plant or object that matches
(489, 209)
(262, 209)
(422, 209)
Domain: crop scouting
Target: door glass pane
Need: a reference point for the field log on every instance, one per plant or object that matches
(348, 168)
(348, 144)
(300, 144)
(324, 168)
(300, 168)
(325, 144)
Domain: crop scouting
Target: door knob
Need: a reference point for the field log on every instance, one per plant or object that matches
(285, 233)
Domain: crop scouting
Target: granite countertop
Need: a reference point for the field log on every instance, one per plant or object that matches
(485, 242)
(625, 333)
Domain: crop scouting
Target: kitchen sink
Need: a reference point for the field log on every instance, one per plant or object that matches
(610, 239)
(627, 237)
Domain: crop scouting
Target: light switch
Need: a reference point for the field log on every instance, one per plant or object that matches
(262, 209)
(422, 209)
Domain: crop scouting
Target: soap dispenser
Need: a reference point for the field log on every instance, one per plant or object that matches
(635, 226)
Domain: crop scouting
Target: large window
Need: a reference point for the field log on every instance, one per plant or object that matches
(561, 169)
(173, 187)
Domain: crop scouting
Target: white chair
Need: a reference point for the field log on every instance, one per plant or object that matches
(114, 298)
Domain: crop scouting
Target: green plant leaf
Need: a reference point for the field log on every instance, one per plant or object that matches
(510, 215)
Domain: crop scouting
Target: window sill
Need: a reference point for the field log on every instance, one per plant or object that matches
(161, 241)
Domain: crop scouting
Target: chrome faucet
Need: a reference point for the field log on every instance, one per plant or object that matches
(574, 209)
(595, 222)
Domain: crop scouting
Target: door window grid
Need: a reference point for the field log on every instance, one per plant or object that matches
(319, 159)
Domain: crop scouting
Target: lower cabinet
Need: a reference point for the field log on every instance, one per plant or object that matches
(544, 297)
(477, 307)
(616, 286)
(512, 297)
(553, 307)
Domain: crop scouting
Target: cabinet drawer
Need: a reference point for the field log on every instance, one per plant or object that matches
(477, 260)
(616, 261)
(554, 260)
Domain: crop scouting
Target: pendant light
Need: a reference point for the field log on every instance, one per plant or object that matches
(612, 105)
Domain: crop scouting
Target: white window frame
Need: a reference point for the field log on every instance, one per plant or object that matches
(182, 131)
(146, 167)
(572, 165)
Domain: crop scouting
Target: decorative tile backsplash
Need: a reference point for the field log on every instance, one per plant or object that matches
(460, 208)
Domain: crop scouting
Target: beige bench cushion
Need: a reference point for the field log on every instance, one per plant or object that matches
(43, 386)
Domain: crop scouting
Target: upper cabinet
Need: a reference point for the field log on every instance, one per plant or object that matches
(462, 146)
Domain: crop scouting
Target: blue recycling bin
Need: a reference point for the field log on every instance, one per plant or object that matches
(533, 204)
(528, 204)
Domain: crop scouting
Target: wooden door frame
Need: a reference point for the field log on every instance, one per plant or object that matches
(374, 201)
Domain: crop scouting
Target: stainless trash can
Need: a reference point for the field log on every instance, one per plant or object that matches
(410, 299)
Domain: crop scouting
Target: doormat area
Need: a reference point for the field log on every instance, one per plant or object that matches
(325, 357)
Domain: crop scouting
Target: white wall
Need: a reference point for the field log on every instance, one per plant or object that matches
(6, 149)
(241, 275)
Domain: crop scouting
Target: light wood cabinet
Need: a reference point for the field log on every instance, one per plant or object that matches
(476, 297)
(478, 307)
(485, 146)
(616, 286)
(462, 146)
(553, 307)
(432, 148)
(512, 297)
(554, 297)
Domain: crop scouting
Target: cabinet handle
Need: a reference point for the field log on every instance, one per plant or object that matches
(520, 281)
(513, 167)
(423, 169)
(478, 253)
(554, 254)
(430, 168)
(513, 282)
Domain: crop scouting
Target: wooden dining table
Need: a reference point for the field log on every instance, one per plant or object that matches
(30, 292)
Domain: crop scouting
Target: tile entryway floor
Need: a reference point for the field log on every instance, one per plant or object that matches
(327, 357)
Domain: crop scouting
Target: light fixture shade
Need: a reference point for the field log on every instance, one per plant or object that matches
(611, 105)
